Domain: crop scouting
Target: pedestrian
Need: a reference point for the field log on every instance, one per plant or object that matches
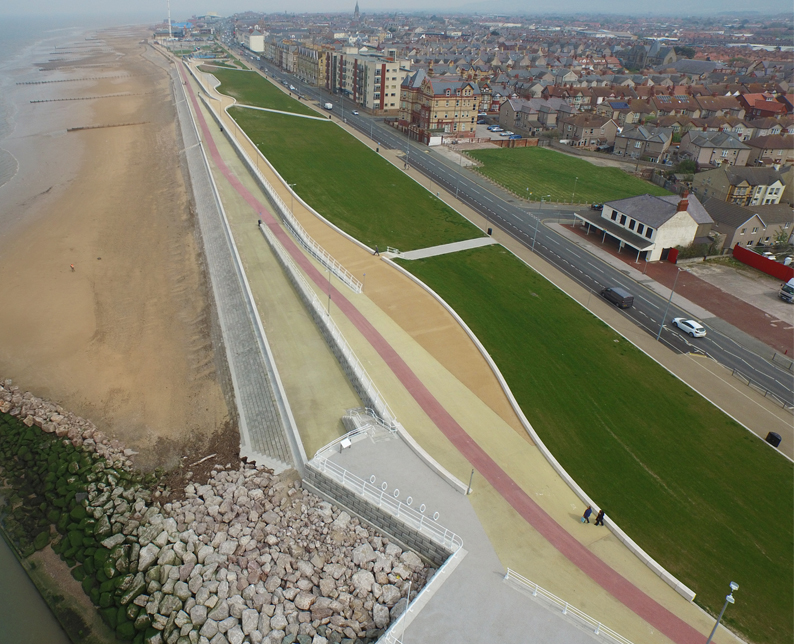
(586, 515)
(72, 267)
(600, 518)
(377, 252)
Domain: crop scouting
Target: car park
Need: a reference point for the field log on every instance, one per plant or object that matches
(690, 327)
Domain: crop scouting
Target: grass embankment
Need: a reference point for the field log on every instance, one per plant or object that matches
(548, 172)
(698, 492)
(249, 88)
(351, 185)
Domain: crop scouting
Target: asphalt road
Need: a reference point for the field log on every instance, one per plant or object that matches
(650, 310)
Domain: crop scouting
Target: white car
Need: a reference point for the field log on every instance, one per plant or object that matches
(690, 327)
(355, 112)
(506, 133)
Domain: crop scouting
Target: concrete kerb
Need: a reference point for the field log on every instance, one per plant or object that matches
(296, 445)
(432, 463)
(643, 556)
(268, 109)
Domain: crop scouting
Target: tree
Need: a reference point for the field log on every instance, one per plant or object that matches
(687, 166)
(781, 237)
(685, 52)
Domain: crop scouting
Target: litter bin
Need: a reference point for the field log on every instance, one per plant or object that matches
(773, 439)
(490, 231)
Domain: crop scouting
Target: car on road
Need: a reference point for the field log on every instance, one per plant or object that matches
(690, 327)
(355, 112)
(618, 296)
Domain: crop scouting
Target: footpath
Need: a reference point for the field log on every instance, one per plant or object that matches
(404, 336)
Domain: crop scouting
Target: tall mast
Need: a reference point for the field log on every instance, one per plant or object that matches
(170, 35)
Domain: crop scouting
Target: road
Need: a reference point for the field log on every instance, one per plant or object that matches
(651, 310)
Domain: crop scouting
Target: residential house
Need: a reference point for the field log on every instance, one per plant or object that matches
(771, 150)
(719, 106)
(643, 142)
(744, 186)
(650, 226)
(746, 226)
(761, 105)
(588, 130)
(677, 104)
(714, 148)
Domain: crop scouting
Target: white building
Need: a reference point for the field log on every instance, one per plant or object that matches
(650, 226)
(253, 41)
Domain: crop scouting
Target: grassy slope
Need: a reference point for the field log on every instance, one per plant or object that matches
(250, 88)
(351, 185)
(697, 491)
(548, 172)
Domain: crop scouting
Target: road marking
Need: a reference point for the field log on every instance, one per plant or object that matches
(596, 267)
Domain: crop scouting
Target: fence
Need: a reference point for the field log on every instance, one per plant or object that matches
(761, 389)
(378, 497)
(768, 266)
(597, 627)
(293, 225)
(783, 360)
(350, 363)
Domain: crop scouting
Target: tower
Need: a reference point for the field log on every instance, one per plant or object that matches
(356, 13)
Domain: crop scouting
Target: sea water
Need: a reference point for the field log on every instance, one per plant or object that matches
(24, 40)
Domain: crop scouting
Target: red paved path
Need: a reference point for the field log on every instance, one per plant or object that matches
(618, 586)
(739, 313)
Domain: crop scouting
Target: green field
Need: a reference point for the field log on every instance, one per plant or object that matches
(250, 88)
(699, 493)
(352, 186)
(533, 173)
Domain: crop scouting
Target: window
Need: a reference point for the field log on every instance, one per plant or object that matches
(623, 220)
(724, 153)
(631, 224)
(638, 144)
(648, 232)
(640, 228)
(614, 215)
(749, 242)
(744, 230)
(755, 230)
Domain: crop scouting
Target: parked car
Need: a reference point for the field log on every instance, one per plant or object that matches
(618, 296)
(494, 128)
(514, 137)
(481, 122)
(506, 133)
(690, 327)
(596, 206)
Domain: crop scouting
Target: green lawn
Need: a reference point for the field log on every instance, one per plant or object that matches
(351, 185)
(698, 492)
(548, 172)
(250, 88)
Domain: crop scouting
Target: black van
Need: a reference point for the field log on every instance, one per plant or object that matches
(618, 296)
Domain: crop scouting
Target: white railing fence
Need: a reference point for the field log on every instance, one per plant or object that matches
(371, 430)
(379, 497)
(597, 627)
(360, 379)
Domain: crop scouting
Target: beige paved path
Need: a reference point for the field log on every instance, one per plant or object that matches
(433, 345)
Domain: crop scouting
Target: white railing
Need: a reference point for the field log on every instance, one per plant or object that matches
(597, 627)
(371, 429)
(366, 389)
(393, 251)
(298, 231)
(387, 502)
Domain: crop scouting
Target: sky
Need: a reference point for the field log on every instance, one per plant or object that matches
(153, 9)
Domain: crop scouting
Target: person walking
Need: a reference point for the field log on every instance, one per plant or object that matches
(377, 252)
(600, 518)
(72, 267)
(586, 515)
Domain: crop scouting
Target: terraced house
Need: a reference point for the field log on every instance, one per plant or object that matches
(741, 186)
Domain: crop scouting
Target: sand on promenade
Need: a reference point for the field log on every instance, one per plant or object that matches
(126, 339)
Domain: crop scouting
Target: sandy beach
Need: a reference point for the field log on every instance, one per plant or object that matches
(127, 338)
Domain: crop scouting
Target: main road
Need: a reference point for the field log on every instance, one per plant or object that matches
(651, 311)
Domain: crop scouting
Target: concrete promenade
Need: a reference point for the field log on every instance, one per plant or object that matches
(397, 358)
(263, 432)
(444, 249)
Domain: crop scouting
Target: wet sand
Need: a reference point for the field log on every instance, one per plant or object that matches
(126, 338)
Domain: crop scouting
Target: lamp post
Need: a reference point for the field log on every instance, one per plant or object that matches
(574, 189)
(292, 198)
(667, 308)
(728, 600)
(329, 292)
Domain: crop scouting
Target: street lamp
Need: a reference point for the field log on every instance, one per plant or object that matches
(667, 308)
(329, 292)
(728, 600)
(574, 189)
(542, 199)
(292, 198)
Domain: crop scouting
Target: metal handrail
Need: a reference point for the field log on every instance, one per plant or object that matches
(365, 430)
(393, 506)
(567, 609)
(379, 403)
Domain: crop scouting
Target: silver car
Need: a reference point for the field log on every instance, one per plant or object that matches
(690, 327)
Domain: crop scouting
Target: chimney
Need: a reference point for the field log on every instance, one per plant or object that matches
(683, 205)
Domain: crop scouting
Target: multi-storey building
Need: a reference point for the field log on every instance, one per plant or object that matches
(741, 186)
(311, 62)
(371, 80)
(434, 106)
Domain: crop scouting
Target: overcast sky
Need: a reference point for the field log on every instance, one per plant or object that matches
(150, 9)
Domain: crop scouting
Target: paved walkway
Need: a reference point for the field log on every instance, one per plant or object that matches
(475, 598)
(618, 586)
(445, 249)
(710, 301)
(262, 428)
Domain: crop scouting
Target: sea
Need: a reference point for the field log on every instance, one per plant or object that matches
(25, 618)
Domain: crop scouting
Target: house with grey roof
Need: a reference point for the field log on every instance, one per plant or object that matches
(744, 186)
(754, 226)
(643, 142)
(714, 148)
(649, 226)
